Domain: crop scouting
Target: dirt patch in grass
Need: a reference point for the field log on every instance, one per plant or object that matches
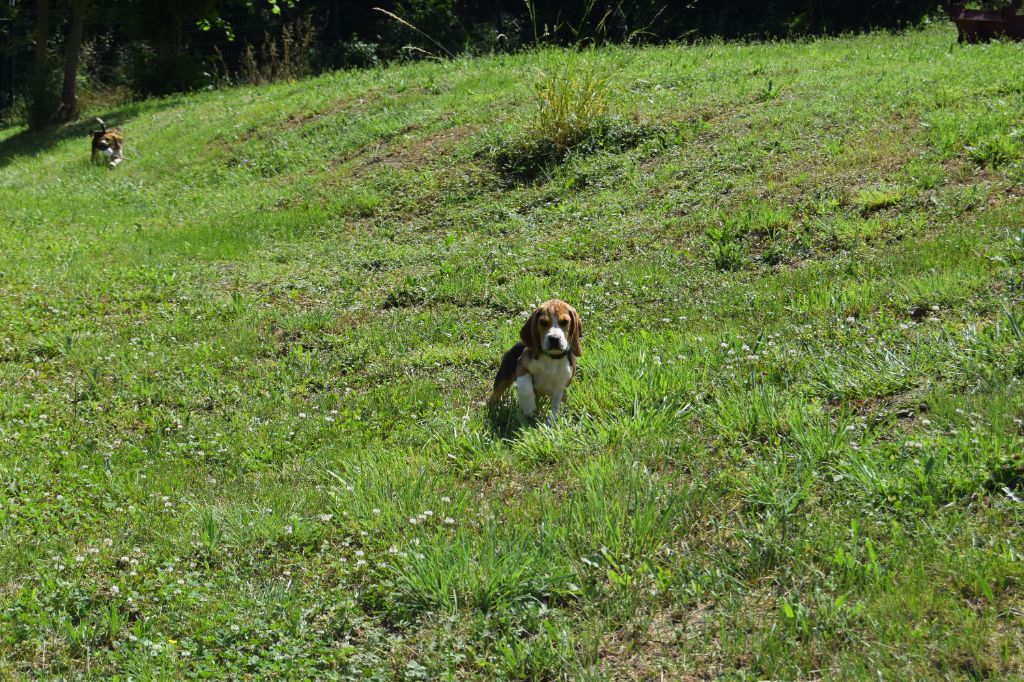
(646, 651)
(401, 153)
(357, 105)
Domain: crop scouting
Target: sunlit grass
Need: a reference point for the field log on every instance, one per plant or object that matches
(241, 377)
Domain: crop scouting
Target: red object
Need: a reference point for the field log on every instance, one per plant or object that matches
(977, 25)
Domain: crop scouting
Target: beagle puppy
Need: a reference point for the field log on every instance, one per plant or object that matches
(544, 360)
(109, 142)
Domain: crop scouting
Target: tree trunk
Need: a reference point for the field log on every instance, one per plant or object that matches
(42, 36)
(68, 98)
(39, 113)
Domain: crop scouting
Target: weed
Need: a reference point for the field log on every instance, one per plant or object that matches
(571, 112)
(770, 92)
(873, 199)
(995, 151)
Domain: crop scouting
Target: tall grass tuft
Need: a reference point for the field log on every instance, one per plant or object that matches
(571, 107)
(570, 113)
(491, 572)
(570, 102)
(622, 512)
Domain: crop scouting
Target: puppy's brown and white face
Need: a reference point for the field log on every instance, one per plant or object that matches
(554, 328)
(107, 142)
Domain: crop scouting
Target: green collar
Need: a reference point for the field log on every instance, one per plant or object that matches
(559, 356)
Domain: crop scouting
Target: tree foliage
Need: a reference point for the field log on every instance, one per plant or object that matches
(156, 47)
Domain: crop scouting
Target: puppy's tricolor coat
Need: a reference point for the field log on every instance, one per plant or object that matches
(544, 360)
(109, 142)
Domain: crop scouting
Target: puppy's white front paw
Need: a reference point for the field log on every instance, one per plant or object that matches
(527, 399)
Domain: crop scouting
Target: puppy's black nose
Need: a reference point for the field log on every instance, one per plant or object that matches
(553, 341)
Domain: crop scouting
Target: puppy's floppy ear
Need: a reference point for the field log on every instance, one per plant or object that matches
(575, 332)
(528, 334)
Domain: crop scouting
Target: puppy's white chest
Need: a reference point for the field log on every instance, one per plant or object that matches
(550, 376)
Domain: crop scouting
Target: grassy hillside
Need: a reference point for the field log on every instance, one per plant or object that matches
(241, 376)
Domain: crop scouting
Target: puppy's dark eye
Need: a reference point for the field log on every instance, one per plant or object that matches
(563, 321)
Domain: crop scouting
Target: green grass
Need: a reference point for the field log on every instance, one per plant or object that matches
(241, 377)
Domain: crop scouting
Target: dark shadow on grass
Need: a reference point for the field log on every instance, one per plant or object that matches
(528, 159)
(31, 142)
(504, 420)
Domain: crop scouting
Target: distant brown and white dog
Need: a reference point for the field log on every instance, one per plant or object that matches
(544, 360)
(108, 142)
